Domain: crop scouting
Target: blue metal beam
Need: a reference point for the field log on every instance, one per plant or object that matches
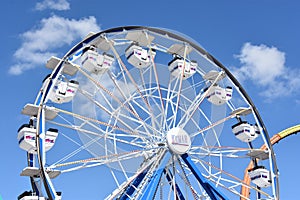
(169, 178)
(149, 192)
(151, 189)
(210, 189)
(131, 189)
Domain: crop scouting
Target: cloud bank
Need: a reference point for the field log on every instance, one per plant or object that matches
(53, 5)
(265, 67)
(40, 43)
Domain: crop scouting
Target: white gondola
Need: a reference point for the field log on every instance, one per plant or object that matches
(63, 92)
(32, 198)
(260, 176)
(94, 62)
(27, 138)
(218, 95)
(29, 195)
(139, 57)
(51, 135)
(178, 67)
(245, 132)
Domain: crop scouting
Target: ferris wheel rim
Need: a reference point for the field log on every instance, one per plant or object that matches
(197, 47)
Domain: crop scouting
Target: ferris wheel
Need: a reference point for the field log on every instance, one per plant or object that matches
(154, 113)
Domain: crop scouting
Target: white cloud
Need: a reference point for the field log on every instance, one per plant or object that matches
(265, 67)
(53, 4)
(40, 42)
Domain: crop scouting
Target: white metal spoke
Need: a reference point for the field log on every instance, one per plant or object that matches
(234, 179)
(196, 103)
(128, 74)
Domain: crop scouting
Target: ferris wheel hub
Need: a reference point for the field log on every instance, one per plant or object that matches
(179, 141)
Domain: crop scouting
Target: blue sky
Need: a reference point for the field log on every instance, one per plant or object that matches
(257, 40)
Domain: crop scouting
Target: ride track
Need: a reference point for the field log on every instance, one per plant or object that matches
(157, 127)
(245, 191)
